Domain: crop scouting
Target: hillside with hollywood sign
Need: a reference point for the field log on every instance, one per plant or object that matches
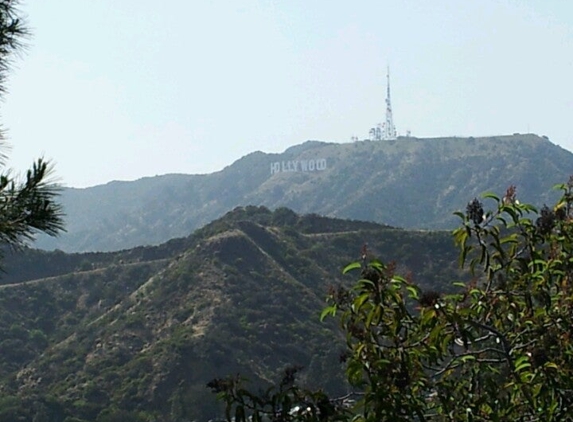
(426, 179)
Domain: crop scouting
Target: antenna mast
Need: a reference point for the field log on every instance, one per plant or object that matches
(385, 131)
(389, 128)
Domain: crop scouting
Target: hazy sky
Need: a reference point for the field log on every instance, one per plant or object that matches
(124, 89)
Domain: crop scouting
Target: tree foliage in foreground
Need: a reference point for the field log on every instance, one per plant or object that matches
(499, 349)
(26, 206)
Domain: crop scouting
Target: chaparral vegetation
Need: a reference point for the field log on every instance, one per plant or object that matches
(497, 349)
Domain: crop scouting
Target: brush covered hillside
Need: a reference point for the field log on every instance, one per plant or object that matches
(136, 335)
(410, 182)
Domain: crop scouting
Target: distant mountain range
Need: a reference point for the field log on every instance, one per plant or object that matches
(136, 335)
(410, 182)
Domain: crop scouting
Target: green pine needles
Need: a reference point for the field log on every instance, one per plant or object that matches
(28, 206)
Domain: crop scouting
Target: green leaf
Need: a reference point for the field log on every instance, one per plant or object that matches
(373, 317)
(560, 186)
(377, 264)
(490, 195)
(414, 292)
(427, 315)
(351, 266)
(468, 358)
(522, 363)
(434, 333)
(354, 372)
(359, 301)
(329, 310)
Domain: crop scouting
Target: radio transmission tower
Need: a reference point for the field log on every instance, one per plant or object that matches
(389, 128)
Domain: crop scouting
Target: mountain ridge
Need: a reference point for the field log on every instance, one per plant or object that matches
(409, 182)
(141, 328)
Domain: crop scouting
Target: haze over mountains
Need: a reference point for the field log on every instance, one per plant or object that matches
(409, 182)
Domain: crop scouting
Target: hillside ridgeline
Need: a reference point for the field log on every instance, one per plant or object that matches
(144, 330)
(410, 183)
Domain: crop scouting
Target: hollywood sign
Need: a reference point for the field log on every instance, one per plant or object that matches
(318, 164)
